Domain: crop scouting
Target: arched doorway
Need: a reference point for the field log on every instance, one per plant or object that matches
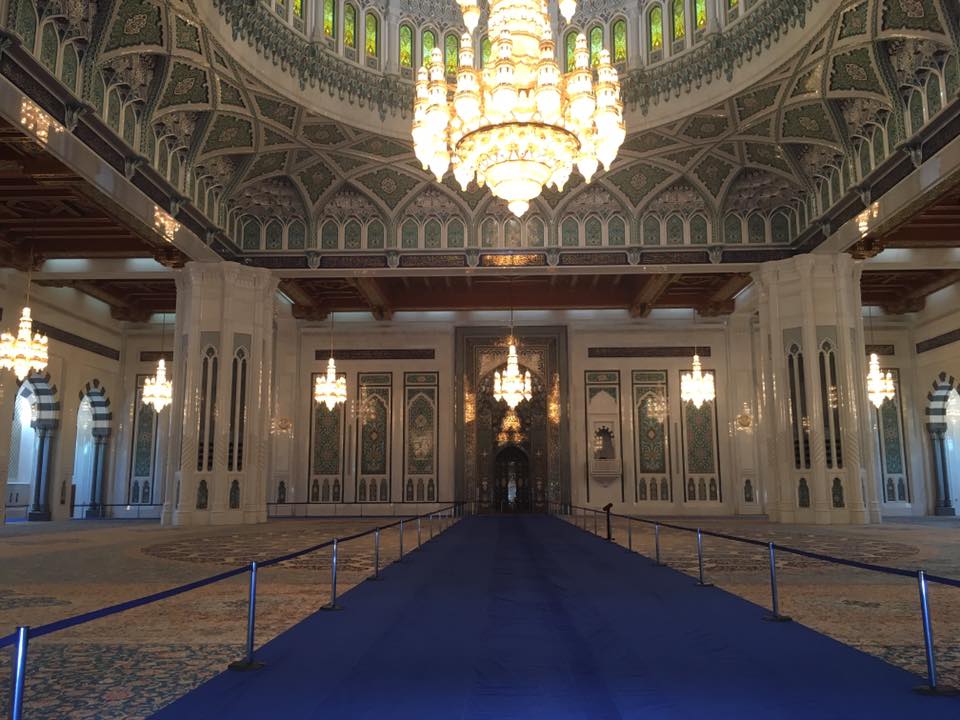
(81, 499)
(512, 480)
(21, 468)
(951, 441)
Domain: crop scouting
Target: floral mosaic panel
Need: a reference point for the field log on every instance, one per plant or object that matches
(420, 434)
(700, 438)
(143, 438)
(374, 423)
(650, 420)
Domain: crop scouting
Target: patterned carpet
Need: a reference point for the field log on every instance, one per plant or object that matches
(129, 666)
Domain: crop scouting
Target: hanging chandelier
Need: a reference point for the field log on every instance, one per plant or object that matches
(330, 390)
(157, 390)
(519, 124)
(880, 385)
(656, 407)
(512, 386)
(27, 352)
(696, 386)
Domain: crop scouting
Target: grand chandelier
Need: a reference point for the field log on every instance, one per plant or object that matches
(696, 386)
(157, 390)
(27, 352)
(512, 386)
(330, 390)
(880, 385)
(519, 124)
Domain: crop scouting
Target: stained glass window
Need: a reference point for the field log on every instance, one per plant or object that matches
(571, 47)
(349, 26)
(596, 45)
(406, 46)
(371, 45)
(700, 13)
(486, 47)
(620, 41)
(451, 53)
(656, 28)
(330, 18)
(298, 8)
(733, 3)
(679, 20)
(429, 42)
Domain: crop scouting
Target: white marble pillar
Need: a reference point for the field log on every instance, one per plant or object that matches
(223, 310)
(634, 48)
(813, 301)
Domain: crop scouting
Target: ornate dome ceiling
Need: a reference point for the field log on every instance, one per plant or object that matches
(743, 130)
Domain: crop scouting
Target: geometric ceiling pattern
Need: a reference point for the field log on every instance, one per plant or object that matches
(758, 168)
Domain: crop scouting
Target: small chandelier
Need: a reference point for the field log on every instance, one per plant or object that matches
(37, 121)
(696, 386)
(330, 390)
(880, 385)
(27, 352)
(165, 224)
(511, 430)
(519, 124)
(157, 390)
(656, 407)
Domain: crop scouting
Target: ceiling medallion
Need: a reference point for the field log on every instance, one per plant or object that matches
(330, 390)
(696, 386)
(519, 124)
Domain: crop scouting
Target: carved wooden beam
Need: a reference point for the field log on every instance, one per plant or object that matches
(651, 291)
(373, 296)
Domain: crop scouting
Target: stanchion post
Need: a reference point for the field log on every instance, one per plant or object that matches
(419, 546)
(401, 542)
(376, 554)
(630, 534)
(431, 526)
(248, 662)
(333, 579)
(606, 509)
(774, 615)
(656, 543)
(596, 523)
(19, 673)
(700, 582)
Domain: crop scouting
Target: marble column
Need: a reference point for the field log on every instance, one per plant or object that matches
(634, 48)
(40, 509)
(813, 301)
(945, 503)
(220, 415)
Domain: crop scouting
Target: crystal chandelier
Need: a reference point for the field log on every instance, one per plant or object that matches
(40, 123)
(157, 390)
(696, 386)
(511, 430)
(513, 387)
(880, 385)
(27, 352)
(656, 407)
(519, 124)
(330, 390)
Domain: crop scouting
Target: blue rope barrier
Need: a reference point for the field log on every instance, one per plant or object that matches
(885, 569)
(86, 617)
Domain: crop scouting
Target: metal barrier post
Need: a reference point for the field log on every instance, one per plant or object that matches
(419, 546)
(931, 686)
(630, 534)
(401, 542)
(376, 555)
(431, 526)
(606, 509)
(596, 530)
(19, 673)
(333, 579)
(656, 542)
(700, 582)
(248, 662)
(774, 615)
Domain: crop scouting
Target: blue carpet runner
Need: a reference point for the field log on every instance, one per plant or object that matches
(529, 617)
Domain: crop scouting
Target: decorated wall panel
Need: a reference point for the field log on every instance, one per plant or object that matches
(604, 444)
(651, 422)
(374, 413)
(141, 486)
(701, 467)
(893, 452)
(421, 432)
(326, 462)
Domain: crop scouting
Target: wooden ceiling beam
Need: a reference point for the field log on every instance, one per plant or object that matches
(652, 289)
(372, 294)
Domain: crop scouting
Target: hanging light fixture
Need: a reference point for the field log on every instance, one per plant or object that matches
(512, 386)
(330, 390)
(880, 386)
(158, 390)
(27, 352)
(697, 386)
(519, 124)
